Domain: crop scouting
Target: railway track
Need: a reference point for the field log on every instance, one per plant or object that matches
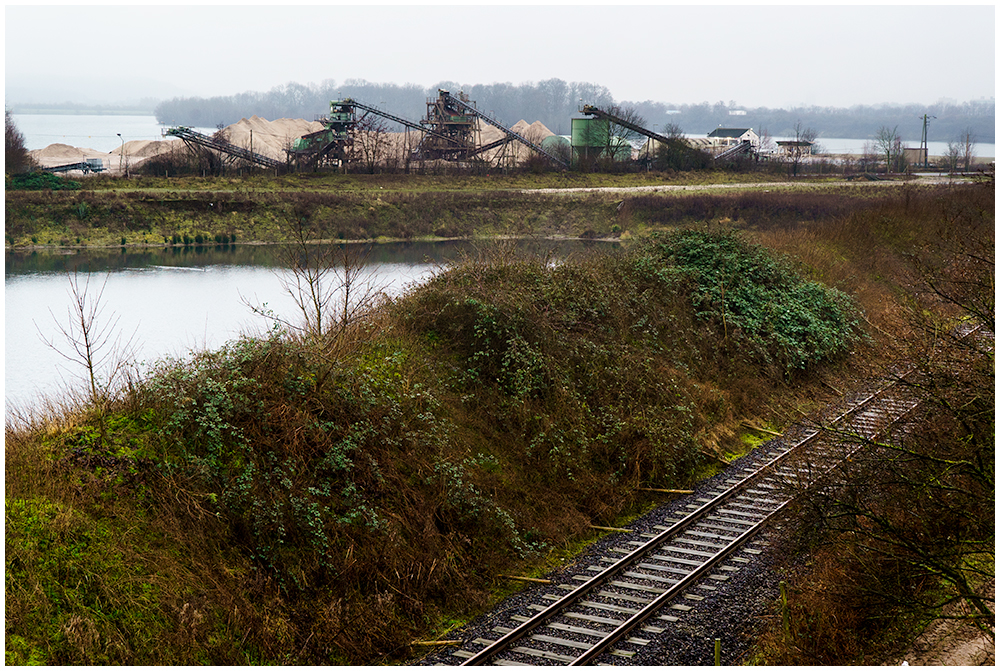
(634, 591)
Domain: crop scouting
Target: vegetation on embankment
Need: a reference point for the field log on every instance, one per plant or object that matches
(330, 495)
(908, 534)
(186, 212)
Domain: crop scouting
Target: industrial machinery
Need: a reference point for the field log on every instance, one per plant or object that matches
(602, 114)
(744, 147)
(593, 138)
(456, 134)
(86, 166)
(441, 112)
(333, 142)
(336, 139)
(194, 138)
(450, 132)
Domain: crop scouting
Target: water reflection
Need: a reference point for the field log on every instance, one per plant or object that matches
(181, 299)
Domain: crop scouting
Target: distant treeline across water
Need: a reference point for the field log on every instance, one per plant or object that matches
(554, 102)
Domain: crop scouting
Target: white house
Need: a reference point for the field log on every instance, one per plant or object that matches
(724, 137)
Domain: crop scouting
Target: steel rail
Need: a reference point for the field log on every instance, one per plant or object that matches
(508, 640)
(868, 418)
(657, 604)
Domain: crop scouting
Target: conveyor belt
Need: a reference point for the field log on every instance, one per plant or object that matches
(203, 140)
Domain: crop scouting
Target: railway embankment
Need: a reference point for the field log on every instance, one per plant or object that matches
(702, 576)
(340, 489)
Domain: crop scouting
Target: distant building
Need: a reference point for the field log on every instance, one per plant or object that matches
(915, 155)
(794, 148)
(725, 137)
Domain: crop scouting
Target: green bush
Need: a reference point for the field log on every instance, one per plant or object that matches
(40, 181)
(760, 301)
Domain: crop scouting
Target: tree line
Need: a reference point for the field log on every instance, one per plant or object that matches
(554, 102)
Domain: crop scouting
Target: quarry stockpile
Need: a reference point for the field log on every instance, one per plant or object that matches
(269, 138)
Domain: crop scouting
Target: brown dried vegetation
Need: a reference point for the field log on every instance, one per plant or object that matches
(293, 499)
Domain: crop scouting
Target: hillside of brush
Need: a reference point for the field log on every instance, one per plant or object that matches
(338, 488)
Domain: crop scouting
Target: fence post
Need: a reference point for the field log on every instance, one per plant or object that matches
(718, 652)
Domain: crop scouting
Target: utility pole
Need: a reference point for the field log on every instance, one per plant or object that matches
(923, 139)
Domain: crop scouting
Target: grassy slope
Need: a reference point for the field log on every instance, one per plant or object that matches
(150, 211)
(314, 502)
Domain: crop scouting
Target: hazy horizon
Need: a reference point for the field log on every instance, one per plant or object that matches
(755, 56)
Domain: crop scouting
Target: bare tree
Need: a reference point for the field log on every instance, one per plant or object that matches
(766, 145)
(371, 145)
(333, 287)
(869, 156)
(911, 513)
(620, 136)
(93, 343)
(953, 156)
(889, 144)
(804, 138)
(967, 143)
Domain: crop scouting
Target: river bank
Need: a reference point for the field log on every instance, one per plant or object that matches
(186, 212)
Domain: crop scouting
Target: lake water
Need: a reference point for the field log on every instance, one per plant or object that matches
(100, 133)
(175, 300)
(839, 145)
(90, 131)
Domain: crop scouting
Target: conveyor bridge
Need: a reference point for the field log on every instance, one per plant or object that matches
(742, 148)
(194, 137)
(86, 166)
(624, 123)
(462, 105)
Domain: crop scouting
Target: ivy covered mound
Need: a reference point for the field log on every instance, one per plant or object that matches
(316, 500)
(772, 314)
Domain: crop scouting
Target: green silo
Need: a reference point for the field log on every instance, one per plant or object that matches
(589, 134)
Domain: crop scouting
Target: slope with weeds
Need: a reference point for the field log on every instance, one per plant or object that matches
(299, 499)
(364, 492)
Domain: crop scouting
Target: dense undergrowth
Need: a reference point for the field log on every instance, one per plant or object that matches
(328, 497)
(908, 534)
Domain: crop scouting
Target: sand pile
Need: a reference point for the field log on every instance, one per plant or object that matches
(148, 148)
(269, 138)
(273, 138)
(135, 151)
(61, 154)
(533, 133)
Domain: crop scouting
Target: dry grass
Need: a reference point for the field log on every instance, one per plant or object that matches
(292, 500)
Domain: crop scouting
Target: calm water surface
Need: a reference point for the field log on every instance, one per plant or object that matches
(175, 301)
(90, 131)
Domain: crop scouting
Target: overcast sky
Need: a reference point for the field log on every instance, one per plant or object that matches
(774, 56)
